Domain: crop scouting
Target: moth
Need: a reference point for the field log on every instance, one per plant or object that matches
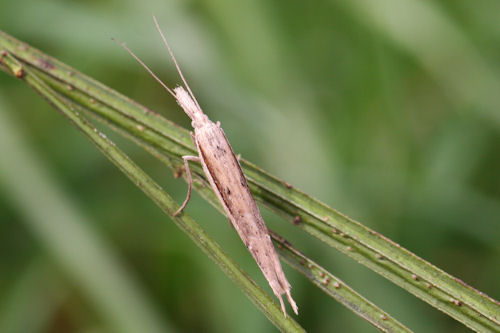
(226, 178)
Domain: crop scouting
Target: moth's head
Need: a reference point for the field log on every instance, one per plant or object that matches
(189, 106)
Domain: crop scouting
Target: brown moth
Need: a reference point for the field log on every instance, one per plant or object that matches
(224, 173)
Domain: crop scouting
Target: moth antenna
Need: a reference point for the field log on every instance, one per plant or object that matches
(175, 62)
(145, 66)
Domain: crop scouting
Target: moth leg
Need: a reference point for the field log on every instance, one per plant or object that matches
(190, 180)
(238, 157)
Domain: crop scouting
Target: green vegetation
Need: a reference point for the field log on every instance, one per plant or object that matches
(411, 123)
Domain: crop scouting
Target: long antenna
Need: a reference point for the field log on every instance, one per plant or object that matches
(145, 67)
(175, 62)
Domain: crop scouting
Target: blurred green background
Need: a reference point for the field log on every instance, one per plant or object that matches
(387, 110)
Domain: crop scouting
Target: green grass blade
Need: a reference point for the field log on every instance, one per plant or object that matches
(336, 288)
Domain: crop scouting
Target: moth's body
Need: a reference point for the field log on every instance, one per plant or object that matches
(224, 173)
(229, 184)
(226, 177)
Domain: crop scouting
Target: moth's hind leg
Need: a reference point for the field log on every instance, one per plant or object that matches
(190, 180)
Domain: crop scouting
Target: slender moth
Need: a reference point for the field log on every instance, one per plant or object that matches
(224, 173)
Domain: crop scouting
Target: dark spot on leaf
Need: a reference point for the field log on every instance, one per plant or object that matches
(45, 63)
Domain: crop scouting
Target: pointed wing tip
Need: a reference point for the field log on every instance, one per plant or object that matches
(292, 302)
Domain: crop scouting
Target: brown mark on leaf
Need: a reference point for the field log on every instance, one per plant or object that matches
(178, 172)
(296, 220)
(19, 73)
(44, 63)
(327, 281)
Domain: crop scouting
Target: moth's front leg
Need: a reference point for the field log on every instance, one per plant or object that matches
(190, 180)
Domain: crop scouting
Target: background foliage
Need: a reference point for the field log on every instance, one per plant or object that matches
(385, 110)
